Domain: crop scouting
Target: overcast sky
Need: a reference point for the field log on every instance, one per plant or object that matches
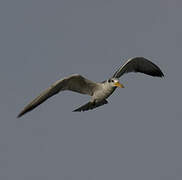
(136, 136)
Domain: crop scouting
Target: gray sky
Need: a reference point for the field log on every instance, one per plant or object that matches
(136, 136)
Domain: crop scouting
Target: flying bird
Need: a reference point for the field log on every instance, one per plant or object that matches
(99, 91)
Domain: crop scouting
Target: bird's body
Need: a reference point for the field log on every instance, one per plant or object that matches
(99, 92)
(103, 91)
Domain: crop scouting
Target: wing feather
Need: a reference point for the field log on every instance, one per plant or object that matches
(139, 64)
(75, 82)
(91, 105)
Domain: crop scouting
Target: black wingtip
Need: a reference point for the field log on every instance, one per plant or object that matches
(76, 110)
(18, 116)
(21, 114)
(162, 75)
(158, 73)
(26, 109)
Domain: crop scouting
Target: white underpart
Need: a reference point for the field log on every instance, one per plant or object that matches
(103, 92)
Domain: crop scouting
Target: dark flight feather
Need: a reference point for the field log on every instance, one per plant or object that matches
(90, 105)
(139, 64)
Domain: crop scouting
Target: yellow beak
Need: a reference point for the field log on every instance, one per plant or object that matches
(119, 85)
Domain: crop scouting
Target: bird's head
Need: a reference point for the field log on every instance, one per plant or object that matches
(114, 82)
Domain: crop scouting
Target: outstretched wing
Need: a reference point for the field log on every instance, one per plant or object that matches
(91, 105)
(139, 64)
(76, 83)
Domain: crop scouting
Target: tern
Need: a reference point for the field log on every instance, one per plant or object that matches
(99, 91)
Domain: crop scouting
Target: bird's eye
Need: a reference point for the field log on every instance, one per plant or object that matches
(109, 80)
(112, 80)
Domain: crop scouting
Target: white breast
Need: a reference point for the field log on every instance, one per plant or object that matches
(103, 92)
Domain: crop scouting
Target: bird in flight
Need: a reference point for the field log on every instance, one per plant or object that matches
(99, 92)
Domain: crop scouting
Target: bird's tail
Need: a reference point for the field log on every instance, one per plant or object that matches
(90, 105)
